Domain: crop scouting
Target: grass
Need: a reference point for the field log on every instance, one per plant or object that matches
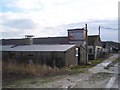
(84, 68)
(77, 69)
(43, 70)
(30, 69)
(39, 74)
(28, 82)
(100, 59)
(18, 74)
(95, 62)
(13, 73)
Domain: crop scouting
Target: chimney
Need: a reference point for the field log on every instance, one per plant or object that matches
(29, 39)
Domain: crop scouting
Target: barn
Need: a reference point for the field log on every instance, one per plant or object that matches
(51, 55)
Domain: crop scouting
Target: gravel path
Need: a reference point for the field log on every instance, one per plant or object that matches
(100, 76)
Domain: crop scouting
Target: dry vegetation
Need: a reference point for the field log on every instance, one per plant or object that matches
(42, 70)
(28, 69)
(12, 71)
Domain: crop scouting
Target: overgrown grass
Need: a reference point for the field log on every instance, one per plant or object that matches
(29, 69)
(78, 69)
(43, 70)
(95, 62)
(83, 68)
(100, 59)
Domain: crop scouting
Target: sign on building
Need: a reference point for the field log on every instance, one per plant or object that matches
(76, 35)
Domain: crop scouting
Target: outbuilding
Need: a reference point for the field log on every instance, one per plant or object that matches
(51, 55)
(94, 47)
(110, 47)
(74, 47)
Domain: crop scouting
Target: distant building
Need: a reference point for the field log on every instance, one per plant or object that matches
(110, 47)
(94, 47)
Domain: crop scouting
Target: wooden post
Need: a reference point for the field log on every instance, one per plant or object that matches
(99, 31)
(86, 43)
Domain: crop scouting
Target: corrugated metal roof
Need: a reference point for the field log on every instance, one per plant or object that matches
(5, 47)
(40, 48)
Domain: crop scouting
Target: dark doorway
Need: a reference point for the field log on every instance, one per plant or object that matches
(78, 55)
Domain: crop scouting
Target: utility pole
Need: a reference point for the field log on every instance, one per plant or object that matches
(86, 43)
(99, 30)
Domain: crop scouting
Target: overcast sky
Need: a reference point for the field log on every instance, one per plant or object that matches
(47, 18)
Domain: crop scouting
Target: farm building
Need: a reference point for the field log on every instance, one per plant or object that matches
(75, 36)
(51, 55)
(53, 51)
(109, 47)
(94, 47)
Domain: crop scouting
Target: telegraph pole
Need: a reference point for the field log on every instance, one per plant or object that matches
(99, 30)
(86, 43)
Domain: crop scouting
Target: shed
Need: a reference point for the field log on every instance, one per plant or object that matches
(51, 55)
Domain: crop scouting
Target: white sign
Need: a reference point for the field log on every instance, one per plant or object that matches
(76, 35)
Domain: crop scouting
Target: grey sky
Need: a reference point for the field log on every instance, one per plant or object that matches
(44, 18)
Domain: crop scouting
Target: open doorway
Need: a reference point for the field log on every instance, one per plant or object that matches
(78, 54)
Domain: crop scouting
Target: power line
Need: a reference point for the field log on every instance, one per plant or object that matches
(108, 28)
(99, 28)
